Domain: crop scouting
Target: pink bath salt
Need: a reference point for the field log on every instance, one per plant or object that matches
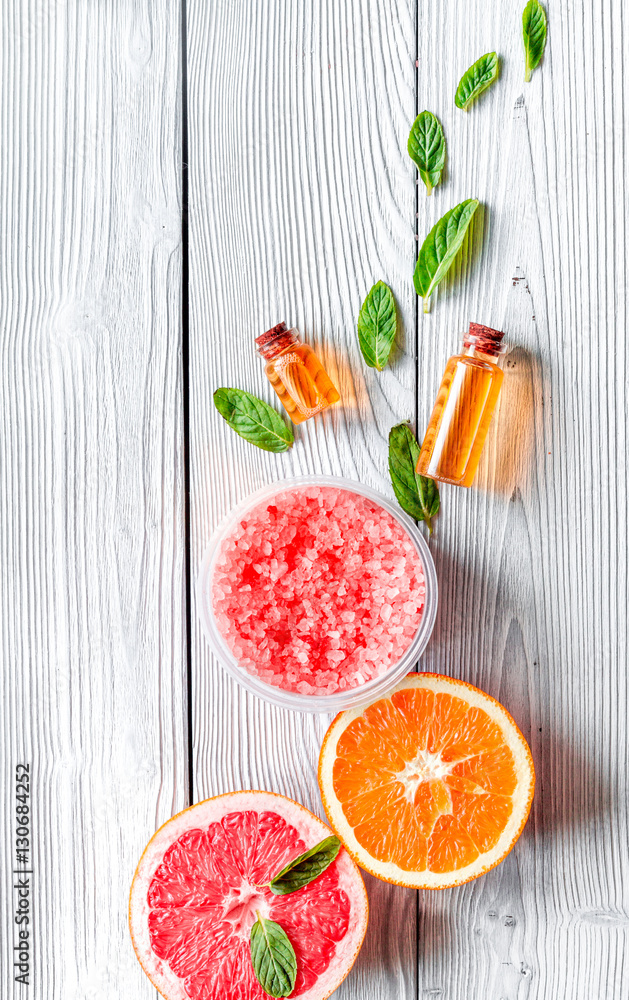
(318, 590)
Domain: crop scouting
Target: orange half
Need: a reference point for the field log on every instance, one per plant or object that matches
(429, 787)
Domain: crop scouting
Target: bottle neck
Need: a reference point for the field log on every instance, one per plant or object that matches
(473, 352)
(483, 342)
(275, 341)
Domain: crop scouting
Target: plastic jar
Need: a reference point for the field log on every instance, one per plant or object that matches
(338, 700)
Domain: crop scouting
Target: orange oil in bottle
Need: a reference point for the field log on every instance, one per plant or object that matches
(296, 374)
(465, 403)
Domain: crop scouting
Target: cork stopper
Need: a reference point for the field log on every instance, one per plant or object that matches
(272, 342)
(484, 339)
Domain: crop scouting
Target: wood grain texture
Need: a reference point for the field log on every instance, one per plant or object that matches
(91, 515)
(532, 563)
(301, 197)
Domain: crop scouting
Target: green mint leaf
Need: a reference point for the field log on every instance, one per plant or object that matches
(253, 419)
(533, 36)
(273, 958)
(306, 868)
(377, 324)
(441, 247)
(417, 495)
(427, 148)
(476, 79)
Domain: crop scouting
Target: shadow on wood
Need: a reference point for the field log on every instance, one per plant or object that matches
(509, 452)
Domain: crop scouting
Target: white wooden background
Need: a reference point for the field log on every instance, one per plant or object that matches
(301, 195)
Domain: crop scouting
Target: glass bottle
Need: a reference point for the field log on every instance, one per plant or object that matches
(463, 410)
(295, 372)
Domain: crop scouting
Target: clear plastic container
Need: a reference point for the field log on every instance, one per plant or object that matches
(339, 700)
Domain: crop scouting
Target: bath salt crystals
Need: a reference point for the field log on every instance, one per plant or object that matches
(318, 590)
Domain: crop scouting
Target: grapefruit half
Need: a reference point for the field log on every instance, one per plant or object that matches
(429, 787)
(201, 881)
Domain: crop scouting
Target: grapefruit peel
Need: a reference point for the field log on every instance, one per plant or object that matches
(199, 816)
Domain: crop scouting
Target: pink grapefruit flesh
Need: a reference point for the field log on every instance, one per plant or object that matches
(201, 881)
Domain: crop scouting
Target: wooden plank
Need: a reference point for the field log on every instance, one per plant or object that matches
(91, 515)
(301, 197)
(533, 563)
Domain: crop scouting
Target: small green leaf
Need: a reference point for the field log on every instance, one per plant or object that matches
(377, 325)
(533, 36)
(476, 79)
(427, 148)
(253, 419)
(306, 868)
(441, 247)
(416, 494)
(273, 958)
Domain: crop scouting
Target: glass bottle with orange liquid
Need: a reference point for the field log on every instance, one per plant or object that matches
(296, 374)
(463, 410)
